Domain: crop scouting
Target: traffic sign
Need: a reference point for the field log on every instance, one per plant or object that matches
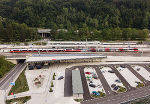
(12, 83)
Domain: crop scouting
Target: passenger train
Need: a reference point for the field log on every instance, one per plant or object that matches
(74, 50)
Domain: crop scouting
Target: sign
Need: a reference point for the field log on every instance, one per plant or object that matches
(12, 83)
(14, 96)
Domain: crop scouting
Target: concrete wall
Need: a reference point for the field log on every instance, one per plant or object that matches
(13, 61)
(77, 96)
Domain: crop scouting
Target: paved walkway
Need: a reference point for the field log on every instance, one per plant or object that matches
(23, 94)
(2, 96)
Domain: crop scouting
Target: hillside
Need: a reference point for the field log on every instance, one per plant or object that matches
(88, 16)
(5, 66)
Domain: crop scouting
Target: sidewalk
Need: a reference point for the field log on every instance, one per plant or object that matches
(23, 94)
(2, 96)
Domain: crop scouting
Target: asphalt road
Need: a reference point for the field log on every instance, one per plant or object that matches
(86, 91)
(6, 80)
(104, 82)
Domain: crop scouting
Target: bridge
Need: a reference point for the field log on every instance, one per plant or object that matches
(47, 58)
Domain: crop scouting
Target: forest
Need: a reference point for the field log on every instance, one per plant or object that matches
(11, 31)
(94, 19)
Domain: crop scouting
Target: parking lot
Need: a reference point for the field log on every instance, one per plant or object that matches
(115, 79)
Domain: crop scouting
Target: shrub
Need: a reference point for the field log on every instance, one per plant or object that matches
(52, 85)
(54, 74)
(121, 89)
(139, 85)
(53, 77)
(78, 100)
(51, 90)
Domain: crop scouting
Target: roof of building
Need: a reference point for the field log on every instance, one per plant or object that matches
(44, 30)
(77, 87)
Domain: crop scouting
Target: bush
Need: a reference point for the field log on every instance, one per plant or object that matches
(122, 89)
(78, 100)
(139, 85)
(51, 90)
(52, 85)
(54, 74)
(53, 77)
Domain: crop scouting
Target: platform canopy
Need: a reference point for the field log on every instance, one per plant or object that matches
(59, 57)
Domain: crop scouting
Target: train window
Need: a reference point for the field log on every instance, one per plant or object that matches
(15, 50)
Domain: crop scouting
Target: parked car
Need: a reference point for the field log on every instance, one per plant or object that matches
(31, 67)
(123, 66)
(116, 88)
(117, 80)
(110, 71)
(92, 85)
(94, 76)
(38, 66)
(95, 93)
(138, 69)
(61, 77)
(113, 85)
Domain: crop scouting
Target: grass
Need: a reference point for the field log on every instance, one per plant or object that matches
(101, 95)
(5, 66)
(121, 89)
(40, 43)
(52, 85)
(21, 84)
(21, 100)
(139, 85)
(78, 100)
(51, 90)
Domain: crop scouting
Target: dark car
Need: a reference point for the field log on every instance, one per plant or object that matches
(113, 85)
(118, 81)
(123, 66)
(61, 77)
(38, 66)
(31, 67)
(110, 71)
(92, 85)
(116, 88)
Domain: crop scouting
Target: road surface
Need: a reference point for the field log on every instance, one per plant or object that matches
(10, 77)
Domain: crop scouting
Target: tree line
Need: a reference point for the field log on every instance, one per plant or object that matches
(94, 17)
(11, 31)
(95, 14)
(110, 34)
